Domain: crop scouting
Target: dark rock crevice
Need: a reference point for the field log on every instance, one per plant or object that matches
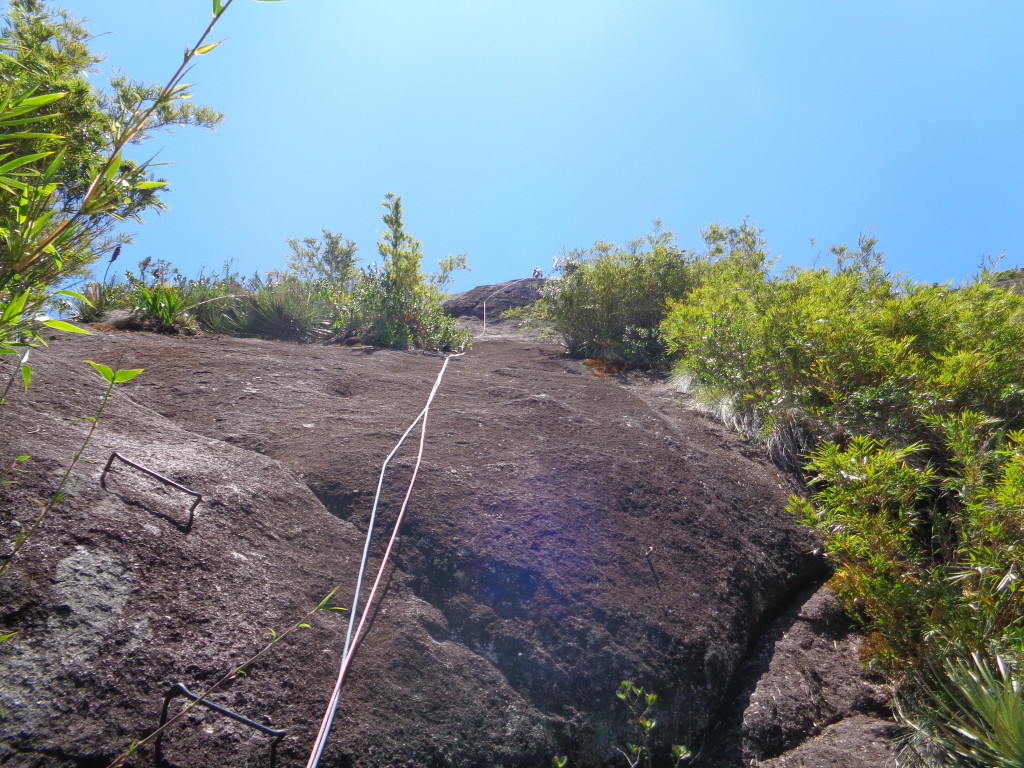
(801, 676)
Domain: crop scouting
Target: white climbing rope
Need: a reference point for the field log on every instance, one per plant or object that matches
(503, 287)
(352, 640)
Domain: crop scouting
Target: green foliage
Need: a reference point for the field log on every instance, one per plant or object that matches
(98, 298)
(65, 180)
(855, 350)
(322, 295)
(211, 298)
(901, 402)
(641, 706)
(897, 399)
(280, 307)
(394, 304)
(161, 304)
(868, 507)
(965, 714)
(608, 303)
(329, 258)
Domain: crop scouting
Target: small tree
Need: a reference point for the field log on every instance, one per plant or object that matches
(400, 251)
(46, 54)
(394, 304)
(329, 258)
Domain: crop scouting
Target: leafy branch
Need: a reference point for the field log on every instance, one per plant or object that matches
(112, 377)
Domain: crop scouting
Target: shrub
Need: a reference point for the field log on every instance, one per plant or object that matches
(162, 305)
(899, 401)
(608, 303)
(855, 350)
(98, 299)
(211, 298)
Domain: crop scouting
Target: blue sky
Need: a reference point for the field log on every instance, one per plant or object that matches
(515, 129)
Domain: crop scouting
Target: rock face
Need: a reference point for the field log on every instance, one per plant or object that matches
(803, 699)
(566, 533)
(494, 299)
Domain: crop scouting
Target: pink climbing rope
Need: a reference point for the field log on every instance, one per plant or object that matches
(325, 726)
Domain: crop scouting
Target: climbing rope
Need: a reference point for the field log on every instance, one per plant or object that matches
(352, 641)
(354, 638)
(503, 287)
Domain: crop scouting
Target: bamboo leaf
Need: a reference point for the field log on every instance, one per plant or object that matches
(150, 184)
(127, 375)
(115, 166)
(17, 162)
(14, 307)
(54, 166)
(73, 295)
(323, 603)
(102, 370)
(26, 375)
(61, 325)
(218, 7)
(10, 185)
(31, 135)
(37, 101)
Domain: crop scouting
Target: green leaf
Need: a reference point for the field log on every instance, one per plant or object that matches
(206, 48)
(17, 162)
(8, 636)
(54, 165)
(31, 135)
(46, 98)
(112, 170)
(127, 375)
(218, 7)
(150, 184)
(323, 603)
(60, 325)
(14, 307)
(26, 375)
(102, 370)
(73, 295)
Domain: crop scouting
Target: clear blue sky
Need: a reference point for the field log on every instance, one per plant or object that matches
(514, 129)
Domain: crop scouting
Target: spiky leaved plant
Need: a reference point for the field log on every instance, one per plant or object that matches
(965, 713)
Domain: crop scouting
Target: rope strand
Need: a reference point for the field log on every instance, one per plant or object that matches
(356, 639)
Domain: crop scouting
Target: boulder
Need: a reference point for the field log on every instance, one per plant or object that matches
(494, 298)
(565, 534)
